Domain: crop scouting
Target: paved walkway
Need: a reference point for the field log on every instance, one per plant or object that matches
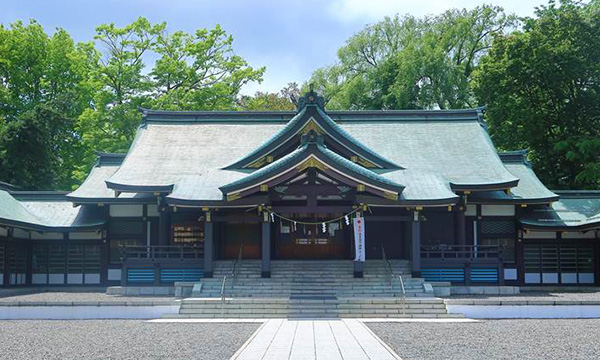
(283, 339)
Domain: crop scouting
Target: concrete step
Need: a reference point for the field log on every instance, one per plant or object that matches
(308, 307)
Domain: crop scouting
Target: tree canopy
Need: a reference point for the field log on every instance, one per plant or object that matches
(542, 88)
(60, 102)
(412, 63)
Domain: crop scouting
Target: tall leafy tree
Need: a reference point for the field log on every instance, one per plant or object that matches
(542, 88)
(411, 63)
(199, 71)
(121, 86)
(43, 88)
(193, 72)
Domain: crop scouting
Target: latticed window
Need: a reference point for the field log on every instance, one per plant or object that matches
(124, 233)
(500, 233)
(498, 227)
(126, 228)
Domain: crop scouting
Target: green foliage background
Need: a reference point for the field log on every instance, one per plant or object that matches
(539, 78)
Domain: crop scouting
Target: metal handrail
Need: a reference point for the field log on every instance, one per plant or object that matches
(232, 275)
(388, 265)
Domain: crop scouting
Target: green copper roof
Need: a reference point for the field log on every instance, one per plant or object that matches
(185, 154)
(290, 133)
(529, 190)
(574, 210)
(47, 211)
(317, 149)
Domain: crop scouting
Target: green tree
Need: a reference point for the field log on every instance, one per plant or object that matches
(285, 99)
(542, 89)
(412, 63)
(110, 123)
(192, 72)
(199, 71)
(42, 90)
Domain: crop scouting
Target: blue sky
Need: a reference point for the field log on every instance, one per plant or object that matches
(291, 38)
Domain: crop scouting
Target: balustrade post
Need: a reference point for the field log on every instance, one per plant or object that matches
(467, 267)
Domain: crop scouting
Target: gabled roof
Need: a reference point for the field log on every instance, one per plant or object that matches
(576, 210)
(312, 117)
(530, 190)
(187, 155)
(47, 211)
(313, 153)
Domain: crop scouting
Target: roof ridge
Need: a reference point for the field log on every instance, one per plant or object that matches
(187, 116)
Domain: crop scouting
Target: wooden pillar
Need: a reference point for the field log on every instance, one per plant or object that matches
(5, 276)
(208, 246)
(266, 246)
(460, 237)
(164, 226)
(104, 258)
(416, 245)
(407, 242)
(29, 264)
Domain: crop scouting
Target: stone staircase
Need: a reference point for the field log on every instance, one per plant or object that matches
(313, 308)
(312, 289)
(312, 278)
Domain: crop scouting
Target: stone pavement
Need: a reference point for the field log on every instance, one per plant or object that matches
(282, 339)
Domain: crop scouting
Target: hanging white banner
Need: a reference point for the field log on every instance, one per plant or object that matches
(359, 238)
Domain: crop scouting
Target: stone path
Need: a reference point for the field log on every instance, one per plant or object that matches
(283, 339)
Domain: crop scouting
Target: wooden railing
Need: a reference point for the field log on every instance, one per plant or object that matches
(470, 252)
(463, 263)
(161, 252)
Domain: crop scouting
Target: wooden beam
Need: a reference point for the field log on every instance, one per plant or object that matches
(312, 210)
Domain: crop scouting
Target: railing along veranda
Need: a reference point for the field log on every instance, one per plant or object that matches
(156, 252)
(390, 271)
(461, 252)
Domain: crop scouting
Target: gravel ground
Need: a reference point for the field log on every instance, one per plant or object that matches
(120, 339)
(550, 296)
(77, 296)
(494, 339)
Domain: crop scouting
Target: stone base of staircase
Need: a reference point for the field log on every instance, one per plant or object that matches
(313, 308)
(334, 277)
(314, 289)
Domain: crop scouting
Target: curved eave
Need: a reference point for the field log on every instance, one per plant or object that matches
(139, 188)
(485, 187)
(559, 227)
(45, 228)
(295, 159)
(404, 202)
(240, 203)
(540, 201)
(112, 200)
